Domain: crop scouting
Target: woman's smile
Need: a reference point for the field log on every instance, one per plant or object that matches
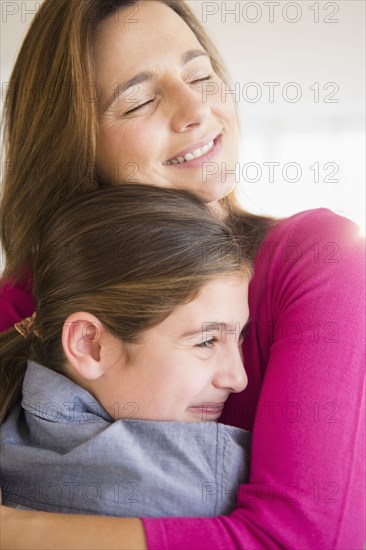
(205, 151)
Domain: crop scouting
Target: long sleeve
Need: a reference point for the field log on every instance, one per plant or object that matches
(305, 402)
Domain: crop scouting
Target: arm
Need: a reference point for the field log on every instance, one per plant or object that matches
(307, 481)
(43, 530)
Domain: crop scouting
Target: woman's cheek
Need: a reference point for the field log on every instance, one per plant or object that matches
(116, 161)
(106, 151)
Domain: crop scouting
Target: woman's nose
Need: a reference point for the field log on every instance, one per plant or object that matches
(189, 110)
(231, 373)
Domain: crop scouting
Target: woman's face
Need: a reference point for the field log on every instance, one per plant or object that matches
(185, 368)
(164, 118)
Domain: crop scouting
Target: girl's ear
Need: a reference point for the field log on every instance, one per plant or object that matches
(83, 337)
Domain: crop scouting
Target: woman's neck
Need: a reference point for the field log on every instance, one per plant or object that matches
(218, 210)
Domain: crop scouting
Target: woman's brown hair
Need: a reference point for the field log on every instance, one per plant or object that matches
(51, 124)
(127, 254)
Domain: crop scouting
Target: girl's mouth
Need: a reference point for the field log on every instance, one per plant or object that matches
(211, 409)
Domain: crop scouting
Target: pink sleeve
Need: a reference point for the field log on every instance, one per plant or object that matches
(307, 481)
(15, 302)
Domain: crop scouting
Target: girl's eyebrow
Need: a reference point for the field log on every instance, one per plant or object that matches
(146, 76)
(210, 326)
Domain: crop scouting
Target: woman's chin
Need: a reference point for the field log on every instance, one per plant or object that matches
(213, 191)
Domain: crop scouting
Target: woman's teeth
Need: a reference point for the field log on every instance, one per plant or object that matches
(193, 155)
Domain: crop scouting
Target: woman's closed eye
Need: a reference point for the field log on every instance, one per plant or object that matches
(203, 79)
(135, 109)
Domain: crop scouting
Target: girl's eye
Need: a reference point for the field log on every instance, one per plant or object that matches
(135, 109)
(207, 344)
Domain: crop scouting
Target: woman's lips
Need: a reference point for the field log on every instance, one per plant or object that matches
(207, 157)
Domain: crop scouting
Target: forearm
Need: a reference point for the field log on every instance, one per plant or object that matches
(44, 531)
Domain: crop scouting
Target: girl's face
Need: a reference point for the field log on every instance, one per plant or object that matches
(185, 368)
(161, 103)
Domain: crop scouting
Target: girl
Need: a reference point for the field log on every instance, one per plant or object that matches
(121, 89)
(141, 297)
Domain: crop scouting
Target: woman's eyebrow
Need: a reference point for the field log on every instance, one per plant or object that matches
(192, 54)
(146, 75)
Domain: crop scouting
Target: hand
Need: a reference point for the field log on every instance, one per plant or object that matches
(32, 530)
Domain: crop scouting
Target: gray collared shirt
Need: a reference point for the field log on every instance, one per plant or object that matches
(63, 452)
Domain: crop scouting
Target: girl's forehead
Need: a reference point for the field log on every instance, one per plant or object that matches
(224, 300)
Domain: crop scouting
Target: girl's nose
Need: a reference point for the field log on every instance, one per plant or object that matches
(188, 108)
(231, 374)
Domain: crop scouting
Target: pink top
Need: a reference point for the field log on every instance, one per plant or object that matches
(305, 402)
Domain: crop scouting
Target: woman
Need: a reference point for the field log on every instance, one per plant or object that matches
(134, 110)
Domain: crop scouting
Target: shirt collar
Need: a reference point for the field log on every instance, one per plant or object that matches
(52, 396)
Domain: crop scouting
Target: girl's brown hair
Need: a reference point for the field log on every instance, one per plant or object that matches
(51, 124)
(127, 254)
